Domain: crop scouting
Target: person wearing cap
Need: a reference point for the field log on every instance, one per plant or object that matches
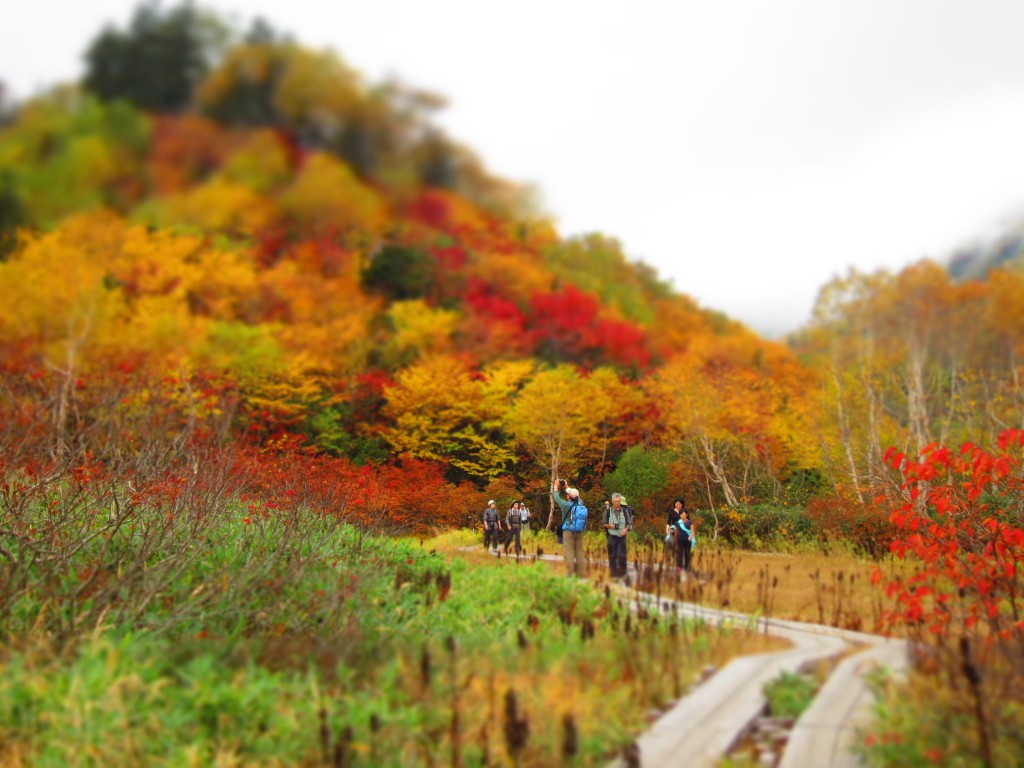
(574, 523)
(617, 522)
(492, 527)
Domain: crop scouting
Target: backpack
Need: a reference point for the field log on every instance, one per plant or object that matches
(627, 511)
(577, 518)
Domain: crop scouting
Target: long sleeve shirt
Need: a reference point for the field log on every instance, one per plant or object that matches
(565, 505)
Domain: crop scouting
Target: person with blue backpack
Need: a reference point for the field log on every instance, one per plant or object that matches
(574, 523)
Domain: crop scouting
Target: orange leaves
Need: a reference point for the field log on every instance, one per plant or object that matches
(184, 150)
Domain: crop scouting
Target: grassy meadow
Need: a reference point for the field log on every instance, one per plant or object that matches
(235, 634)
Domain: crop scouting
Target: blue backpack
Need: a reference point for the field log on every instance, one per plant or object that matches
(577, 520)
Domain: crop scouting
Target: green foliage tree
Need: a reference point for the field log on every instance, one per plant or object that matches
(400, 272)
(12, 214)
(158, 62)
(66, 153)
(641, 474)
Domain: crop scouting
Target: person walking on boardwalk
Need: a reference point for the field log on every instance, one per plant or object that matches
(672, 530)
(617, 522)
(514, 527)
(687, 539)
(574, 523)
(492, 527)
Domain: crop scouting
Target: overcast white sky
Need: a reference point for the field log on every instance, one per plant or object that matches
(748, 150)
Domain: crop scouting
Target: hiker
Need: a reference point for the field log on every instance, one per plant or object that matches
(687, 539)
(617, 522)
(672, 530)
(514, 527)
(492, 527)
(574, 523)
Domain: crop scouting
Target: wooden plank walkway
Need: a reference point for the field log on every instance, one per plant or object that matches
(701, 727)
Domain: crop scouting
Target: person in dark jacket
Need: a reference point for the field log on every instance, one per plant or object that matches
(514, 527)
(672, 529)
(492, 527)
(687, 539)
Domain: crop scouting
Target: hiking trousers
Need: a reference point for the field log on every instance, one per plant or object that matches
(492, 538)
(617, 559)
(684, 551)
(517, 534)
(572, 542)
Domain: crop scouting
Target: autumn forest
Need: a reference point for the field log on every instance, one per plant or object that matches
(274, 253)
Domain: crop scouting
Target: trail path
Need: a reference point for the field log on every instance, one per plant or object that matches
(702, 726)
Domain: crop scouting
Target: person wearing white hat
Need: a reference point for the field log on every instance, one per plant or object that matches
(492, 527)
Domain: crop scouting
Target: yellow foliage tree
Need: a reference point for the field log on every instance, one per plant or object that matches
(740, 409)
(442, 411)
(260, 163)
(557, 417)
(421, 329)
(218, 205)
(326, 197)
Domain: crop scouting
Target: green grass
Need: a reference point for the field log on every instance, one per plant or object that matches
(294, 640)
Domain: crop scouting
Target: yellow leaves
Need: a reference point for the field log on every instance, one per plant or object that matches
(219, 205)
(502, 380)
(742, 391)
(327, 197)
(316, 88)
(261, 163)
(288, 393)
(422, 328)
(54, 288)
(244, 66)
(557, 414)
(442, 412)
(101, 285)
(303, 87)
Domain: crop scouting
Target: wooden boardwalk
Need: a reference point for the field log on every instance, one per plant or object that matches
(701, 727)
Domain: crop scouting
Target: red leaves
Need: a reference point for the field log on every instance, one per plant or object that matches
(566, 326)
(947, 528)
(894, 458)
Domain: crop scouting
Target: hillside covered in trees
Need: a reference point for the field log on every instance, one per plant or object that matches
(230, 254)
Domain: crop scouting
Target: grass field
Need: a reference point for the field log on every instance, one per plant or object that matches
(294, 640)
